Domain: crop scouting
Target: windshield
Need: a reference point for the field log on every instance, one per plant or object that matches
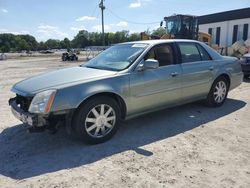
(117, 57)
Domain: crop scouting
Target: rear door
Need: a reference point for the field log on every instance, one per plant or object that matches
(197, 70)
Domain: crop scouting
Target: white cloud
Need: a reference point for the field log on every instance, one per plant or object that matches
(133, 31)
(78, 28)
(3, 30)
(4, 10)
(47, 27)
(85, 18)
(135, 4)
(122, 24)
(24, 32)
(110, 26)
(99, 27)
(14, 32)
(139, 3)
(48, 31)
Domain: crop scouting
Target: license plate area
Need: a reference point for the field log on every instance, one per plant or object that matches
(25, 118)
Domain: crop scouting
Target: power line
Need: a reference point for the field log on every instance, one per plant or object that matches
(131, 22)
(93, 14)
(94, 10)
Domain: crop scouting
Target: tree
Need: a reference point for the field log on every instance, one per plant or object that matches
(32, 44)
(7, 42)
(21, 44)
(53, 44)
(134, 37)
(65, 43)
(81, 39)
(10, 42)
(159, 32)
(42, 46)
(5, 48)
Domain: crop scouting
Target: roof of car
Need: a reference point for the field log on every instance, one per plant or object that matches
(212, 52)
(159, 41)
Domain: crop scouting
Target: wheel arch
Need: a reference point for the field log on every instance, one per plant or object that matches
(120, 101)
(210, 97)
(226, 76)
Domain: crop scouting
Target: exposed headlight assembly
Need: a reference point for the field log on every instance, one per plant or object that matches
(42, 102)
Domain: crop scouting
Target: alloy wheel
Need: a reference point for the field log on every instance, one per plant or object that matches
(100, 120)
(220, 91)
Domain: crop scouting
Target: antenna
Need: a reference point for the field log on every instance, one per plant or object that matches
(102, 7)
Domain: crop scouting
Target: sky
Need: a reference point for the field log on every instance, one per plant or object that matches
(58, 19)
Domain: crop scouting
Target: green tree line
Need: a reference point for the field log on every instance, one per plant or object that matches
(16, 43)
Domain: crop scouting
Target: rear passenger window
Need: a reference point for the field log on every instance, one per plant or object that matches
(189, 52)
(204, 54)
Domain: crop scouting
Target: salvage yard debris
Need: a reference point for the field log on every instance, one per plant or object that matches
(239, 48)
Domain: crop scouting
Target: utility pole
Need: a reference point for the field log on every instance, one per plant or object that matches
(102, 7)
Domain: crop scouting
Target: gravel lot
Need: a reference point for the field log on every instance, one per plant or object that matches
(186, 146)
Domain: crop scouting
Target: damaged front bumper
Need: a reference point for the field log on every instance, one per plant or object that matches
(33, 120)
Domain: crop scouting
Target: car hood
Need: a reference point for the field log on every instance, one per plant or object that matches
(58, 79)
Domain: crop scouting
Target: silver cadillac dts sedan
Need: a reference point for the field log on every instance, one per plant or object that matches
(122, 82)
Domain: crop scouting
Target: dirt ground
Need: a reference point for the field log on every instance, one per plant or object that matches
(186, 146)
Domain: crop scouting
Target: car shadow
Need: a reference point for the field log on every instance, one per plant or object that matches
(25, 155)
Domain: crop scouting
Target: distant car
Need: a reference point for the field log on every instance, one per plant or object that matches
(122, 82)
(3, 56)
(46, 52)
(245, 65)
(69, 56)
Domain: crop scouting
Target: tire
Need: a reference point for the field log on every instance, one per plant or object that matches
(218, 92)
(97, 120)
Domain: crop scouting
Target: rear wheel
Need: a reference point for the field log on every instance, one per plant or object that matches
(218, 92)
(97, 120)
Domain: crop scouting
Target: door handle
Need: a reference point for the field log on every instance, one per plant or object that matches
(174, 74)
(211, 68)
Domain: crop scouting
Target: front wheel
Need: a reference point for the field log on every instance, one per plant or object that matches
(97, 120)
(218, 92)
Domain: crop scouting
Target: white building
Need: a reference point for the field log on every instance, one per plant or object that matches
(226, 27)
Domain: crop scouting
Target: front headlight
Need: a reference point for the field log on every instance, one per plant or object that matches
(42, 102)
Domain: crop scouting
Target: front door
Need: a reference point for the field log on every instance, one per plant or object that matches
(155, 88)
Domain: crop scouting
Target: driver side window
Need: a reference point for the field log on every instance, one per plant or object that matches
(162, 53)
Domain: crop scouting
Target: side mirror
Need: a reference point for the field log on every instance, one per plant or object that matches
(148, 64)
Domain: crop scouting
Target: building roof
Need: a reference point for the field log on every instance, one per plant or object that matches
(225, 16)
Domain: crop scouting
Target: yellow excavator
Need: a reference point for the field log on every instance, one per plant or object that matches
(180, 27)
